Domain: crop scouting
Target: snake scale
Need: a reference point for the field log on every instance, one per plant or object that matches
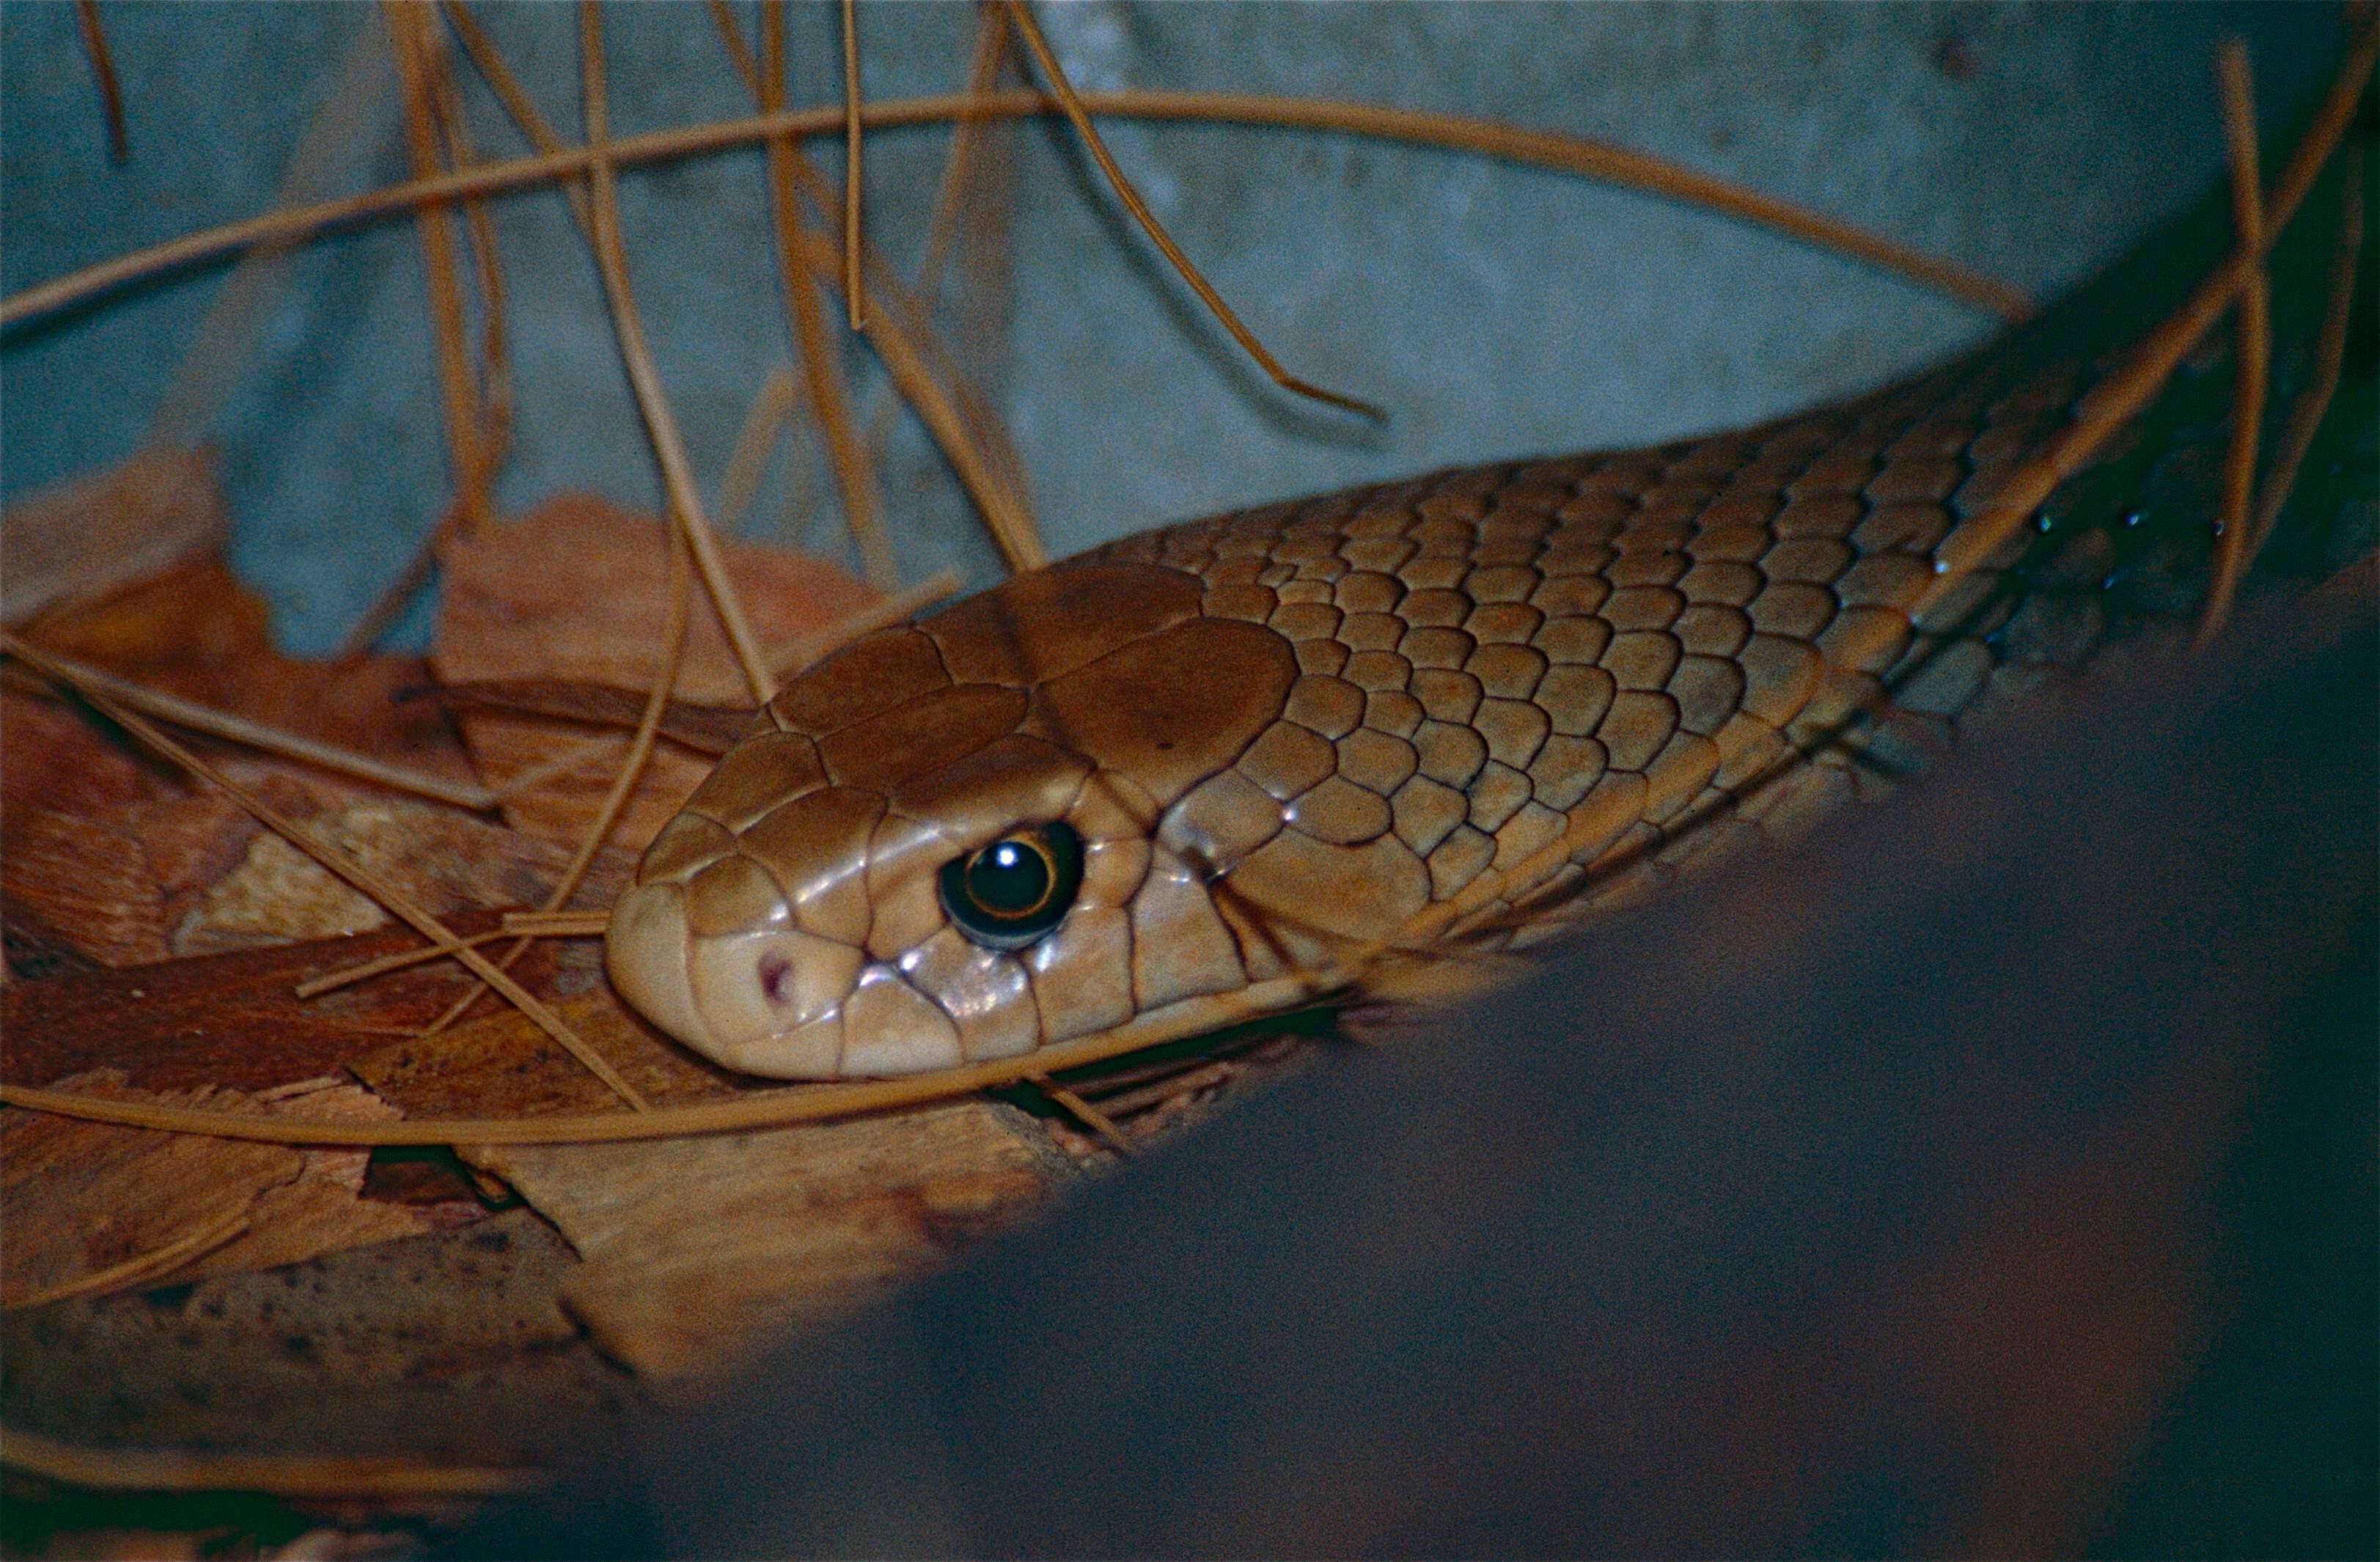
(1209, 756)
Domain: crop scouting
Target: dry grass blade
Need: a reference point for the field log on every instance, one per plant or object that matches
(383, 613)
(156, 1262)
(852, 292)
(487, 267)
(2253, 352)
(772, 404)
(823, 371)
(524, 113)
(102, 70)
(1020, 16)
(557, 923)
(523, 782)
(661, 423)
(330, 981)
(970, 437)
(1082, 1112)
(409, 33)
(860, 509)
(768, 1109)
(905, 360)
(345, 868)
(287, 1475)
(950, 197)
(2330, 356)
(739, 53)
(196, 718)
(1566, 154)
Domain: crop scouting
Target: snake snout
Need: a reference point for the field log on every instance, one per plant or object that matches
(644, 951)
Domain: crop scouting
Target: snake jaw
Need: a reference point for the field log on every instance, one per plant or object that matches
(645, 954)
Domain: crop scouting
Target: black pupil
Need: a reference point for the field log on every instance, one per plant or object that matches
(1011, 892)
(1009, 879)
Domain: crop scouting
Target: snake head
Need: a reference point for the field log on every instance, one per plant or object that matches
(960, 840)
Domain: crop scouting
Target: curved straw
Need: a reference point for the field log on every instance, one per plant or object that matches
(1539, 149)
(2252, 350)
(772, 1109)
(1020, 16)
(286, 1475)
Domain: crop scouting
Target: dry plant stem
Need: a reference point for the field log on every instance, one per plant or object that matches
(1530, 148)
(1020, 16)
(255, 734)
(524, 114)
(583, 753)
(557, 923)
(361, 636)
(895, 609)
(286, 1475)
(156, 1262)
(487, 269)
(770, 1109)
(950, 197)
(677, 475)
(1003, 512)
(2330, 354)
(1082, 1112)
(679, 590)
(2253, 350)
(936, 391)
(347, 977)
(362, 879)
(409, 34)
(102, 70)
(540, 135)
(822, 372)
(739, 53)
(772, 403)
(852, 292)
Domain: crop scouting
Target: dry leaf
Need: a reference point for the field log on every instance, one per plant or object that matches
(572, 593)
(698, 1249)
(323, 1208)
(94, 533)
(503, 1065)
(233, 1019)
(445, 861)
(53, 758)
(196, 631)
(84, 1197)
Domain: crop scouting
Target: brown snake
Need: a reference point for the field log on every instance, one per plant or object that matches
(1270, 743)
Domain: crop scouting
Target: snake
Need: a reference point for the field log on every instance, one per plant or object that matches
(1456, 713)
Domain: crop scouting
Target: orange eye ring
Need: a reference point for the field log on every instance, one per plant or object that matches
(1010, 892)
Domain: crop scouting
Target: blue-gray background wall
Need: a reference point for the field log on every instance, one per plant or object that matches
(1494, 310)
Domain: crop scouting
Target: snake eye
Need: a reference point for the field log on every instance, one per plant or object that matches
(1006, 895)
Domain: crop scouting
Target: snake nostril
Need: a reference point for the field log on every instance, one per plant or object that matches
(775, 971)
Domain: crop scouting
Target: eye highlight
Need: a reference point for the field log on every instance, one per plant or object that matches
(1008, 894)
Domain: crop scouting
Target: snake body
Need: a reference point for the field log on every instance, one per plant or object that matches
(1278, 735)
